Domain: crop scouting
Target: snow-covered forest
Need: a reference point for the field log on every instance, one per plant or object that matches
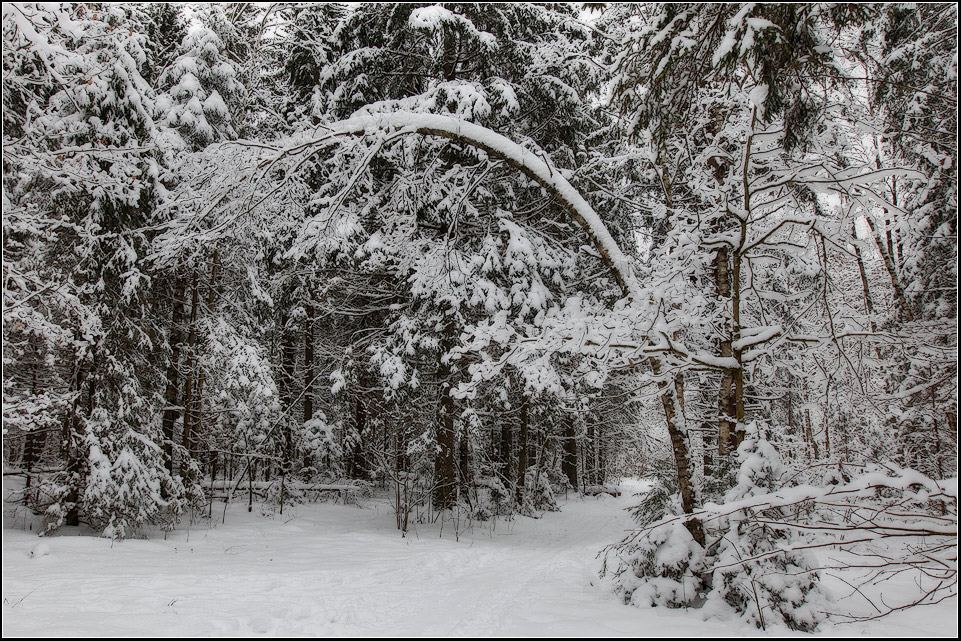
(470, 263)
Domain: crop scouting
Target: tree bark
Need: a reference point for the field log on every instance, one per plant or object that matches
(868, 301)
(569, 462)
(590, 469)
(172, 392)
(198, 404)
(672, 395)
(32, 442)
(288, 362)
(889, 265)
(355, 465)
(726, 398)
(308, 372)
(522, 446)
(72, 427)
(191, 370)
(505, 454)
(309, 364)
(445, 468)
(463, 465)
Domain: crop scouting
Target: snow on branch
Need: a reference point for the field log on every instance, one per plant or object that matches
(886, 522)
(915, 487)
(534, 166)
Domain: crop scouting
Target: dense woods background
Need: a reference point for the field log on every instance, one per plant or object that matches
(248, 248)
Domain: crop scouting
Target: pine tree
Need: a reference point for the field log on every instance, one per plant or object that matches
(88, 182)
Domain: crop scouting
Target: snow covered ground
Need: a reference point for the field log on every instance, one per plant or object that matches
(334, 570)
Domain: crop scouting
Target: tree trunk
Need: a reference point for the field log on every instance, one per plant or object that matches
(198, 404)
(569, 462)
(463, 464)
(868, 301)
(737, 352)
(810, 434)
(70, 451)
(172, 393)
(309, 364)
(672, 395)
(32, 442)
(889, 265)
(191, 370)
(308, 371)
(354, 465)
(590, 471)
(726, 402)
(522, 462)
(505, 455)
(445, 469)
(288, 362)
(600, 474)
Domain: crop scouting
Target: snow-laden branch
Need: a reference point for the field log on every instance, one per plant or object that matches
(532, 165)
(916, 487)
(886, 522)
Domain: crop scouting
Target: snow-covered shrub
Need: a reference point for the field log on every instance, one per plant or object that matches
(662, 566)
(538, 494)
(748, 566)
(50, 497)
(493, 498)
(761, 581)
(752, 569)
(558, 480)
(242, 391)
(320, 442)
(284, 491)
(127, 486)
(654, 504)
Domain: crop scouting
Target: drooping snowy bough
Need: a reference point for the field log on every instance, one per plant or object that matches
(656, 340)
(529, 163)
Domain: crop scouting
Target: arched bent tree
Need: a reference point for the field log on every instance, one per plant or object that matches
(541, 170)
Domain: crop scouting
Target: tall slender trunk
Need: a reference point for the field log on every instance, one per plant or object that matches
(726, 398)
(728, 282)
(172, 392)
(889, 265)
(445, 468)
(672, 400)
(738, 352)
(308, 372)
(590, 470)
(809, 432)
(188, 438)
(70, 450)
(522, 448)
(868, 301)
(569, 461)
(600, 474)
(505, 455)
(198, 403)
(288, 361)
(32, 442)
(464, 471)
(309, 364)
(354, 464)
(789, 401)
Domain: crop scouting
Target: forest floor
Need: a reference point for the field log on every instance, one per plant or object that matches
(343, 570)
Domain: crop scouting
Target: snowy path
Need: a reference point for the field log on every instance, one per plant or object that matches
(330, 570)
